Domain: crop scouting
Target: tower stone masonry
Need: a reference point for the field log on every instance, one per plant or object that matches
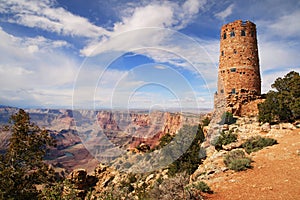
(239, 81)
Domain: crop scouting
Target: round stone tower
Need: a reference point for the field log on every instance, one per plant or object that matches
(238, 75)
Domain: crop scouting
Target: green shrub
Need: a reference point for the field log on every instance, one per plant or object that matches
(237, 160)
(227, 118)
(164, 140)
(203, 187)
(224, 139)
(257, 143)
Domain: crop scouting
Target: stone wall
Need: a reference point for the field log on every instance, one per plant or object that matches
(239, 79)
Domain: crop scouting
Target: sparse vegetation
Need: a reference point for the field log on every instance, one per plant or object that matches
(236, 160)
(257, 143)
(227, 118)
(174, 188)
(224, 139)
(202, 187)
(284, 103)
(63, 190)
(164, 140)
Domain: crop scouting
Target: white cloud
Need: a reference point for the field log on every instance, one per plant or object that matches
(166, 46)
(159, 67)
(143, 31)
(277, 58)
(31, 65)
(44, 15)
(225, 13)
(190, 8)
(279, 47)
(196, 56)
(157, 14)
(278, 54)
(149, 16)
(287, 25)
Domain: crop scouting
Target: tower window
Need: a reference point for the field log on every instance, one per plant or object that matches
(222, 91)
(232, 34)
(233, 70)
(233, 91)
(252, 33)
(224, 36)
(234, 51)
(222, 53)
(243, 33)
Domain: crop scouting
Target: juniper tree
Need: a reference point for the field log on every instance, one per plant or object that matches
(283, 104)
(22, 166)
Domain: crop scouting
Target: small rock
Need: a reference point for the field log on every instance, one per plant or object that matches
(233, 127)
(288, 126)
(275, 126)
(224, 169)
(266, 188)
(151, 176)
(165, 176)
(265, 127)
(232, 146)
(225, 127)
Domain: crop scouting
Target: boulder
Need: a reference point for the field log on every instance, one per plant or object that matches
(78, 178)
(81, 182)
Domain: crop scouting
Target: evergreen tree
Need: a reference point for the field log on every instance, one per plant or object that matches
(190, 159)
(284, 103)
(22, 166)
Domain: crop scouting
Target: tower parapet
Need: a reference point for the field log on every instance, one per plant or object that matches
(239, 79)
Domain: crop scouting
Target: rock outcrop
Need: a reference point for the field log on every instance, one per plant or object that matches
(81, 182)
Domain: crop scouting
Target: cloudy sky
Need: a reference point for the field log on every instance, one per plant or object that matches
(137, 54)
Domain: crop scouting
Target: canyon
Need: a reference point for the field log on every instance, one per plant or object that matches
(83, 137)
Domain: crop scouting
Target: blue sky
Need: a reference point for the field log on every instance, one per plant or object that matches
(132, 54)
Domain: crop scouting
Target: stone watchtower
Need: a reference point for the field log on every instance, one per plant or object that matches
(239, 80)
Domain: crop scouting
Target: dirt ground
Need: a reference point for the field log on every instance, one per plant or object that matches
(275, 174)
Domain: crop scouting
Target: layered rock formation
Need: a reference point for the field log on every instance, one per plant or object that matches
(78, 132)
